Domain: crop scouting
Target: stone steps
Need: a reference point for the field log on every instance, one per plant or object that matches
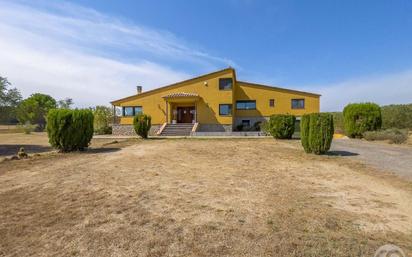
(179, 129)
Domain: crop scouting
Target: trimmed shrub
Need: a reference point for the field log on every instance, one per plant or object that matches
(316, 132)
(142, 124)
(282, 126)
(304, 132)
(361, 117)
(70, 130)
(394, 136)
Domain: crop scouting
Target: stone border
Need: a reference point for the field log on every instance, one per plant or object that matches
(231, 134)
(128, 130)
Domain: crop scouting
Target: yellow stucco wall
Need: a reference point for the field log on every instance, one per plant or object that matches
(207, 106)
(283, 98)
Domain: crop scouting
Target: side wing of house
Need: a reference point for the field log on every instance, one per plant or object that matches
(255, 102)
(199, 97)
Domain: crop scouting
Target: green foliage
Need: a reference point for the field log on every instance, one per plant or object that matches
(70, 130)
(35, 108)
(282, 126)
(103, 131)
(361, 117)
(396, 136)
(338, 122)
(103, 116)
(142, 124)
(265, 127)
(397, 116)
(304, 132)
(317, 132)
(9, 99)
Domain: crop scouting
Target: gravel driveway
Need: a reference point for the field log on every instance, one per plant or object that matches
(393, 158)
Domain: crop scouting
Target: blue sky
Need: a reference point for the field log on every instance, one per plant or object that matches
(346, 50)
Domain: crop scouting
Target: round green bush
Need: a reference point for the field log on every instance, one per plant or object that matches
(70, 130)
(317, 132)
(142, 124)
(282, 126)
(361, 117)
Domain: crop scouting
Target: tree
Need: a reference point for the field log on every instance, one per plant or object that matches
(35, 108)
(9, 99)
(65, 103)
(103, 116)
(397, 116)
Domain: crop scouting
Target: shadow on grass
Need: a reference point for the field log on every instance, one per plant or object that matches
(341, 153)
(6, 150)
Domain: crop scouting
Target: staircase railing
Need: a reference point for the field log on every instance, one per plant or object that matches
(161, 128)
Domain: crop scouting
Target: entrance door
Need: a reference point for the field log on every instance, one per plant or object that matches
(185, 114)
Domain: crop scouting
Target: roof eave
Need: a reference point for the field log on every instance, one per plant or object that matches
(279, 88)
(171, 85)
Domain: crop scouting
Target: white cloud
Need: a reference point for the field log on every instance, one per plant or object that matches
(384, 89)
(66, 50)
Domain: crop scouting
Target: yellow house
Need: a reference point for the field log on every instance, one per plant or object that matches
(214, 102)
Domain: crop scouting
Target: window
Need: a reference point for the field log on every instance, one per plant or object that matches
(127, 111)
(246, 123)
(132, 110)
(246, 105)
(271, 102)
(298, 103)
(225, 84)
(225, 109)
(137, 109)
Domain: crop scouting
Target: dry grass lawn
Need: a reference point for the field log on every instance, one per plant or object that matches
(252, 197)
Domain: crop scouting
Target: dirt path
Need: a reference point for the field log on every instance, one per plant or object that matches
(200, 198)
(393, 158)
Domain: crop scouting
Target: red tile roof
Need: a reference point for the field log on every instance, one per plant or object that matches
(181, 94)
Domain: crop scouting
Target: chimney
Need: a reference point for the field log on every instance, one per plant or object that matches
(139, 89)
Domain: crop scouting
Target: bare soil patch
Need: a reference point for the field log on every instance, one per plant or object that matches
(193, 197)
(37, 142)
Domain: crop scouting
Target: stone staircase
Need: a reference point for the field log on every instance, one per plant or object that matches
(179, 129)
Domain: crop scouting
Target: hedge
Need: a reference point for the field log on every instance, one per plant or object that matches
(142, 124)
(361, 117)
(304, 132)
(69, 130)
(316, 132)
(282, 126)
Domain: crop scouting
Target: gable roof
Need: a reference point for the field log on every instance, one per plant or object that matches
(276, 88)
(136, 96)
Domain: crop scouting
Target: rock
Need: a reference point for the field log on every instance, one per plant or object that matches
(22, 154)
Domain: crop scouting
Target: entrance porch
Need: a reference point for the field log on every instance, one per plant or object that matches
(181, 108)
